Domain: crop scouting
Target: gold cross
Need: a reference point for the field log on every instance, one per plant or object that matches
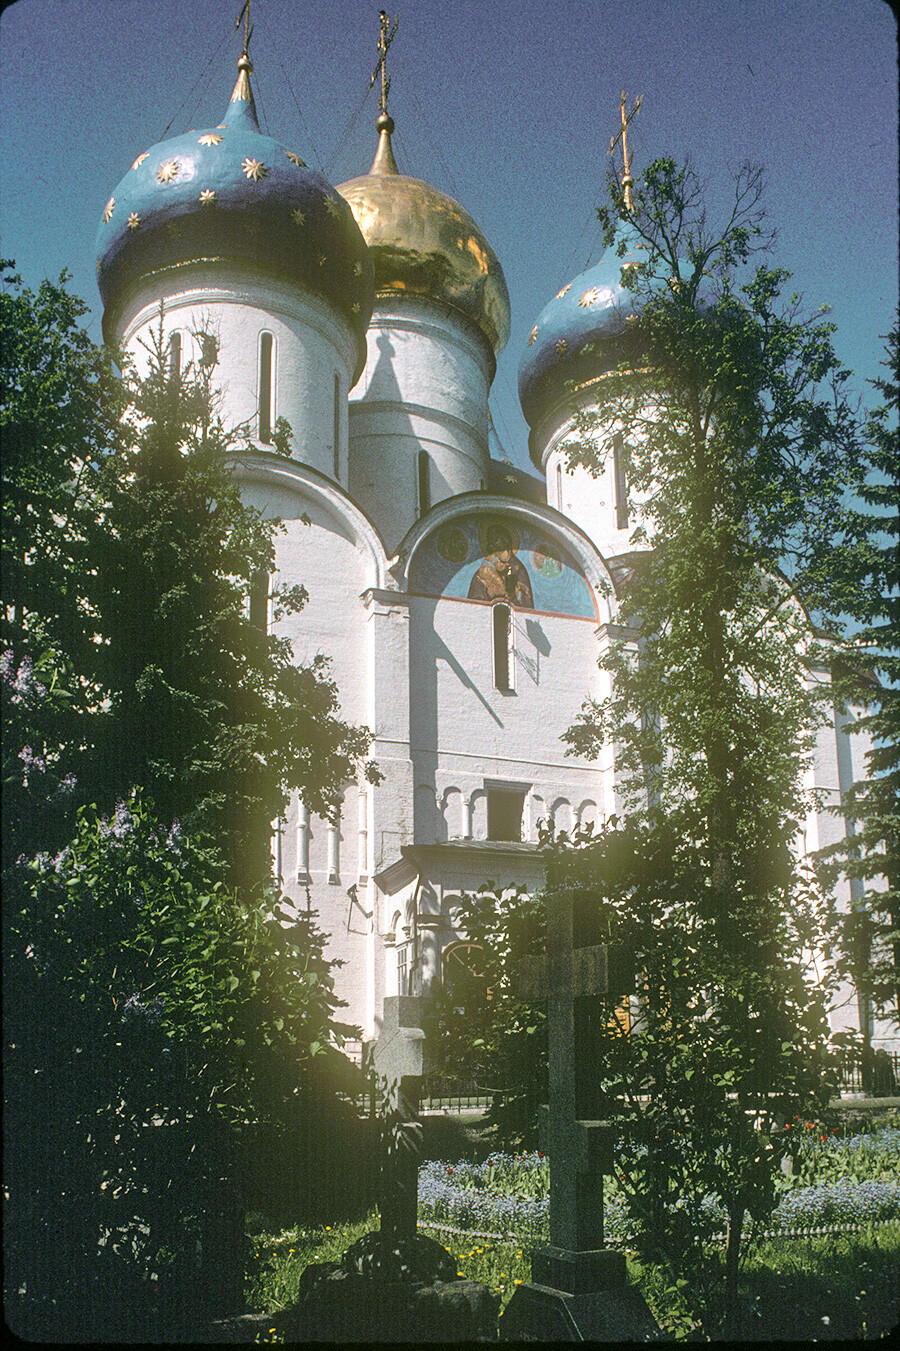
(385, 39)
(627, 180)
(248, 31)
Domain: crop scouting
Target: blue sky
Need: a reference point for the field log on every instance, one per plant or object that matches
(507, 106)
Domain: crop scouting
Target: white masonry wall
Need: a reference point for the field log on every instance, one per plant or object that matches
(312, 348)
(424, 388)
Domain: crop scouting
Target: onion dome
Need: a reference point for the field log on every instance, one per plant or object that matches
(228, 193)
(423, 243)
(581, 333)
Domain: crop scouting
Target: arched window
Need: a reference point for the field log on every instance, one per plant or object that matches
(621, 481)
(266, 353)
(259, 599)
(501, 628)
(337, 426)
(424, 482)
(175, 357)
(462, 970)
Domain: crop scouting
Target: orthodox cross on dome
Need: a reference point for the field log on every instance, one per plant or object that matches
(627, 180)
(248, 29)
(385, 39)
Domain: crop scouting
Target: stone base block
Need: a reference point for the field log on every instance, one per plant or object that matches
(537, 1313)
(348, 1307)
(578, 1273)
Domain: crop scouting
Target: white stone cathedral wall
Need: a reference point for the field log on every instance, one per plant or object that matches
(466, 735)
(425, 387)
(588, 501)
(311, 345)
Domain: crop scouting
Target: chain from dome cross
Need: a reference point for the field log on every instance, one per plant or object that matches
(627, 180)
(385, 39)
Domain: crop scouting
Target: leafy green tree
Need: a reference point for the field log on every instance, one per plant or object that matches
(60, 411)
(208, 710)
(867, 678)
(168, 1030)
(702, 1069)
(741, 445)
(185, 1027)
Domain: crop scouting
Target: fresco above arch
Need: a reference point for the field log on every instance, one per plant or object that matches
(489, 556)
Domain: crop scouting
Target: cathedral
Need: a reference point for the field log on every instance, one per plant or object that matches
(463, 602)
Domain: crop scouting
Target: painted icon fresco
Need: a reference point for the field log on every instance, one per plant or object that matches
(492, 557)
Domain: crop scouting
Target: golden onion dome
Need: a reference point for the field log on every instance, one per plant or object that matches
(423, 243)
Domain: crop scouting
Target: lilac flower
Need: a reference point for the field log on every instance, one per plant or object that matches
(121, 826)
(175, 838)
(133, 1010)
(34, 764)
(23, 683)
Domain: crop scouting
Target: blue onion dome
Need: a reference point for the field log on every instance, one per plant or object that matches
(424, 243)
(583, 332)
(229, 193)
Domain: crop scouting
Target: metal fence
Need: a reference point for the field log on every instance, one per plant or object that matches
(876, 1073)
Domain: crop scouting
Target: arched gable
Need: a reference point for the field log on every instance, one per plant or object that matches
(556, 568)
(285, 489)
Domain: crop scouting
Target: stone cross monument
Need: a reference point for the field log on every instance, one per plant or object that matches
(580, 1149)
(578, 1290)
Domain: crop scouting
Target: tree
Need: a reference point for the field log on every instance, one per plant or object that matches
(208, 710)
(168, 1027)
(867, 679)
(60, 412)
(741, 445)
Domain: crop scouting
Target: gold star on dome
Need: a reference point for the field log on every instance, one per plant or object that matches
(295, 159)
(589, 298)
(140, 159)
(254, 169)
(173, 228)
(207, 197)
(298, 217)
(332, 207)
(355, 307)
(108, 209)
(559, 295)
(167, 172)
(322, 260)
(357, 269)
(99, 266)
(562, 347)
(532, 336)
(211, 138)
(134, 220)
(588, 348)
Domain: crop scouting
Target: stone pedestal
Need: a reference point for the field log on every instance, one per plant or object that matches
(406, 1291)
(539, 1313)
(578, 1273)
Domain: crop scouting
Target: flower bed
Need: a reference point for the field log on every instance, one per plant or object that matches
(853, 1181)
